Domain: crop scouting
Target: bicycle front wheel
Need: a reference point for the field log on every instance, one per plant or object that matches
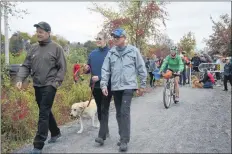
(167, 96)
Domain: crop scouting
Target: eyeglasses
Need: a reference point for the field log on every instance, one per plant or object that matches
(116, 37)
(98, 39)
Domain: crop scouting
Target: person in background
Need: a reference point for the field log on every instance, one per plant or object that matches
(218, 74)
(203, 59)
(151, 68)
(95, 62)
(123, 63)
(196, 61)
(183, 75)
(160, 62)
(187, 68)
(147, 63)
(47, 62)
(227, 73)
(208, 80)
(208, 58)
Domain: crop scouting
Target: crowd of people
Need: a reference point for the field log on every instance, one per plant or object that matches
(208, 79)
(113, 73)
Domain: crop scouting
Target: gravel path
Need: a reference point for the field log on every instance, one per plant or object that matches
(200, 123)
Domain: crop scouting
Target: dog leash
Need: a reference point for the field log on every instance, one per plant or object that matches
(91, 95)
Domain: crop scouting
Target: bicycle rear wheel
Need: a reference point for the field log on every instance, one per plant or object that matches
(167, 95)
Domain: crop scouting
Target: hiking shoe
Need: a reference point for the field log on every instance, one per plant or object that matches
(99, 140)
(123, 146)
(54, 138)
(36, 151)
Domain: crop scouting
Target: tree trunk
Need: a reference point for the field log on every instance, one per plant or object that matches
(1, 28)
(6, 37)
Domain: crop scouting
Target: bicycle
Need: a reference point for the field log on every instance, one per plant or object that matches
(169, 89)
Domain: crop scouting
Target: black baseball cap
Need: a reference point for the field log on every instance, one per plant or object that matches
(43, 25)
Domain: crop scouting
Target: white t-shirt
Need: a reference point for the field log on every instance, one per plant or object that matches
(221, 65)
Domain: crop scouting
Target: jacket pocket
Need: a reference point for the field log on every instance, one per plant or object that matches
(52, 59)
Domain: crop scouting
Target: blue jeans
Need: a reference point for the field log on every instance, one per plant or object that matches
(208, 85)
(183, 77)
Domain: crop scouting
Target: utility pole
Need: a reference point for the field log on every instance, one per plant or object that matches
(1, 6)
(6, 36)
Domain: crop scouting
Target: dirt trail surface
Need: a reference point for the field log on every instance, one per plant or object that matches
(201, 122)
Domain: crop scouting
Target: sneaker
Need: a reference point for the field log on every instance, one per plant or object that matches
(123, 146)
(36, 151)
(176, 99)
(54, 138)
(225, 90)
(119, 143)
(218, 85)
(99, 140)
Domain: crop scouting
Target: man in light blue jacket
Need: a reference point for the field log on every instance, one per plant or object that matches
(123, 63)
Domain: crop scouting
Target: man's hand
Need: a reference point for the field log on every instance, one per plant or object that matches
(105, 91)
(95, 78)
(86, 68)
(140, 91)
(19, 85)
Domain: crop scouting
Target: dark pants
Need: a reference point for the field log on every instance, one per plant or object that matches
(103, 104)
(183, 77)
(122, 100)
(44, 98)
(218, 75)
(226, 78)
(152, 79)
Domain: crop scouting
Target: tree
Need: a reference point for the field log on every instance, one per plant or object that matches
(25, 35)
(138, 18)
(78, 55)
(187, 43)
(2, 43)
(60, 40)
(162, 46)
(16, 43)
(90, 46)
(219, 42)
(10, 8)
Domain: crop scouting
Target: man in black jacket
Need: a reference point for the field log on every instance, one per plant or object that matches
(227, 73)
(46, 63)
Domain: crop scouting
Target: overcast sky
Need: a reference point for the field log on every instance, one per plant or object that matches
(76, 23)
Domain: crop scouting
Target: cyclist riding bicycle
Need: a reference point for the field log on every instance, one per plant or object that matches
(174, 63)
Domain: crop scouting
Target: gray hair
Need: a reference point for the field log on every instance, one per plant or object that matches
(103, 35)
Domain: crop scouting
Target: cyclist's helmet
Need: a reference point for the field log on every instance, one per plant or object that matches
(173, 52)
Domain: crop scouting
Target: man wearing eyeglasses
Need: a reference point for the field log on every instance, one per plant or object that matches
(122, 63)
(95, 61)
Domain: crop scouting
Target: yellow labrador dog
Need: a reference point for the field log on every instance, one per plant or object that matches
(88, 112)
